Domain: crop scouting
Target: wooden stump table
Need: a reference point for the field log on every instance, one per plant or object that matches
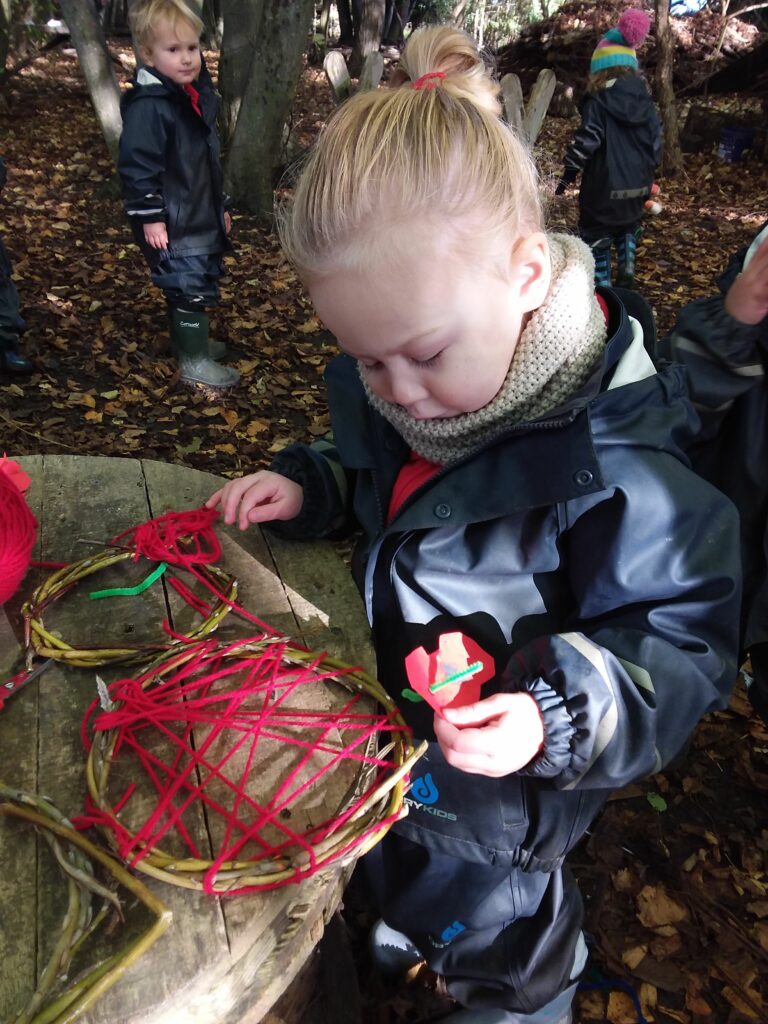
(223, 960)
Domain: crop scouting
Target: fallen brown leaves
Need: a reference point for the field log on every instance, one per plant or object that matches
(677, 900)
(105, 380)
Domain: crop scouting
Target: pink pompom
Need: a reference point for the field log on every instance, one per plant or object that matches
(17, 537)
(634, 25)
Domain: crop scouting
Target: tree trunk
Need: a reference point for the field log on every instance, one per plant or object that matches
(323, 19)
(5, 30)
(115, 16)
(369, 34)
(672, 160)
(96, 64)
(261, 61)
(350, 13)
(401, 15)
(213, 25)
(459, 12)
(480, 25)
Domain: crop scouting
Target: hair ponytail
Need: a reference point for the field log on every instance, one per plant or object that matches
(429, 148)
(453, 53)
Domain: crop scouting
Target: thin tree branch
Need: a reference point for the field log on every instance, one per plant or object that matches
(745, 10)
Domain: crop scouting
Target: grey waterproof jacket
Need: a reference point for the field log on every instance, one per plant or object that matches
(727, 363)
(579, 554)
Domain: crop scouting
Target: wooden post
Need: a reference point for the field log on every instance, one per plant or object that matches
(373, 69)
(512, 100)
(336, 72)
(538, 102)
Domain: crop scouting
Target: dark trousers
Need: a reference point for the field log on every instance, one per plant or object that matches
(501, 937)
(12, 323)
(189, 282)
(591, 233)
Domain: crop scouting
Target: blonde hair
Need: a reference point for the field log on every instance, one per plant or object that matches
(144, 16)
(407, 155)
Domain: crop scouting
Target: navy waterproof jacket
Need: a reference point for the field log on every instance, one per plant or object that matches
(727, 365)
(617, 148)
(169, 165)
(580, 552)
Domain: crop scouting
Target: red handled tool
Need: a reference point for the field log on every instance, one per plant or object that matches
(20, 680)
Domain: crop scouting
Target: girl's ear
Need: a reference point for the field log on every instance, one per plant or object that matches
(531, 270)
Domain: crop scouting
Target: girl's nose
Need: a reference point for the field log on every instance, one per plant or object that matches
(404, 389)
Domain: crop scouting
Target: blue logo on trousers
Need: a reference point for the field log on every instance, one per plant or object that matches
(424, 790)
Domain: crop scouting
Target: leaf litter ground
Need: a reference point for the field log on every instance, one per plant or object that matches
(675, 871)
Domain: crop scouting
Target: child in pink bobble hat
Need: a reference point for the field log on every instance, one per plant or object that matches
(616, 149)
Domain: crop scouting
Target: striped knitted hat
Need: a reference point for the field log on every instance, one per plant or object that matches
(617, 47)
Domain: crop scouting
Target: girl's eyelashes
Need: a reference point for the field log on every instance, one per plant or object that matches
(372, 367)
(427, 362)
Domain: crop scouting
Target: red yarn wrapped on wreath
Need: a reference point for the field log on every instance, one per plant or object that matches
(18, 528)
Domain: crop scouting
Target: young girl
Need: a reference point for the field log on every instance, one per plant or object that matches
(722, 340)
(617, 147)
(552, 592)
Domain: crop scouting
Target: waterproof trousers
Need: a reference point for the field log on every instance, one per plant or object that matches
(501, 937)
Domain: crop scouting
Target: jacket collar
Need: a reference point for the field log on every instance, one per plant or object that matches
(150, 77)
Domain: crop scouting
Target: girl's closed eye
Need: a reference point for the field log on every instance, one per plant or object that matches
(427, 362)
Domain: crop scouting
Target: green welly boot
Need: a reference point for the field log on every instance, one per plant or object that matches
(216, 349)
(189, 336)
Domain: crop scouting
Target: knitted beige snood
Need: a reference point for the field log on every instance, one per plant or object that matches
(556, 352)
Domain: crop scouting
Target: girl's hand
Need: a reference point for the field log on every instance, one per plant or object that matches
(156, 235)
(494, 737)
(227, 222)
(258, 498)
(747, 298)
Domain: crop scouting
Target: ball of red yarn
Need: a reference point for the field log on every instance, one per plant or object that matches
(17, 537)
(634, 25)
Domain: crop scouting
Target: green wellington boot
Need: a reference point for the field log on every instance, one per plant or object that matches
(189, 337)
(216, 349)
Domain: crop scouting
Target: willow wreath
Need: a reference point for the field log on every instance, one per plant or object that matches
(42, 641)
(246, 709)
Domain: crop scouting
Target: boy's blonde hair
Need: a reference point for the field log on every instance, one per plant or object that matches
(144, 16)
(406, 155)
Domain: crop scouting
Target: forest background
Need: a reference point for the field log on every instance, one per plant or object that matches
(676, 869)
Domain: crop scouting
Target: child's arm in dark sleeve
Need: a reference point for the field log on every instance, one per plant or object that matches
(724, 357)
(141, 161)
(589, 136)
(325, 512)
(654, 570)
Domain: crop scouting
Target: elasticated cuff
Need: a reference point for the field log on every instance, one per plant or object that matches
(556, 754)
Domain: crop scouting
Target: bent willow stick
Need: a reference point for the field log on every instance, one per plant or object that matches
(75, 855)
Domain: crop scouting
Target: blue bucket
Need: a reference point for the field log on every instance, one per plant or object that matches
(733, 142)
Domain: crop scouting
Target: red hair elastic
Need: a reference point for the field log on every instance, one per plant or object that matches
(428, 81)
